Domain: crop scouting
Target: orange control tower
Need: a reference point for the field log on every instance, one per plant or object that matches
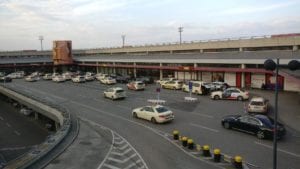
(62, 52)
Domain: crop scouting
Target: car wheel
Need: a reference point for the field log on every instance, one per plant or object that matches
(240, 98)
(134, 115)
(260, 134)
(112, 97)
(216, 97)
(153, 120)
(226, 125)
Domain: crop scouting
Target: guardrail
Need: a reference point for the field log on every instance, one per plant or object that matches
(51, 141)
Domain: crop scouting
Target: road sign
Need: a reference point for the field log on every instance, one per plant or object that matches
(190, 85)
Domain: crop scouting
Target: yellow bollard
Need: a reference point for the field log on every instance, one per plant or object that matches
(238, 162)
(175, 134)
(190, 143)
(217, 155)
(206, 152)
(184, 141)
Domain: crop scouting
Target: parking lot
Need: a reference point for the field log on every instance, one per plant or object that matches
(200, 120)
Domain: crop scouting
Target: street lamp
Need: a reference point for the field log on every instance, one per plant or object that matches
(123, 40)
(180, 29)
(41, 38)
(271, 65)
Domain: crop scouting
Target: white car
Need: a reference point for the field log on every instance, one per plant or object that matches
(101, 76)
(230, 94)
(174, 84)
(136, 85)
(114, 93)
(78, 79)
(155, 113)
(47, 76)
(108, 80)
(32, 78)
(197, 87)
(67, 76)
(258, 105)
(58, 78)
(89, 77)
(15, 75)
(164, 80)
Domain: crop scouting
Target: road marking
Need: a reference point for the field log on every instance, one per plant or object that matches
(203, 115)
(278, 149)
(124, 160)
(122, 154)
(17, 133)
(1, 118)
(110, 166)
(203, 127)
(8, 125)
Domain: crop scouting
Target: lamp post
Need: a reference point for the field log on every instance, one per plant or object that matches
(271, 65)
(41, 38)
(123, 40)
(180, 30)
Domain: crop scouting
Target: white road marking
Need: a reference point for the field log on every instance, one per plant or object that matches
(17, 133)
(134, 164)
(124, 160)
(1, 118)
(203, 127)
(8, 125)
(122, 154)
(110, 166)
(278, 149)
(203, 115)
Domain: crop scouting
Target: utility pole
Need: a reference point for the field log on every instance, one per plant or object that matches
(123, 40)
(180, 29)
(41, 38)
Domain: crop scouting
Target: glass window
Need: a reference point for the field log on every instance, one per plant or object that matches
(161, 109)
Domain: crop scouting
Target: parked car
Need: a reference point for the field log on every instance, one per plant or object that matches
(174, 84)
(213, 86)
(164, 80)
(101, 76)
(121, 78)
(67, 76)
(114, 93)
(58, 78)
(31, 78)
(260, 125)
(145, 79)
(155, 113)
(136, 85)
(258, 105)
(78, 79)
(197, 87)
(230, 94)
(108, 80)
(16, 75)
(47, 76)
(5, 79)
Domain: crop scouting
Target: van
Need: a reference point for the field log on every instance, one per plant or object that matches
(198, 87)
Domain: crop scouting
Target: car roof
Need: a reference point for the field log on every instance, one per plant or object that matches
(116, 88)
(258, 99)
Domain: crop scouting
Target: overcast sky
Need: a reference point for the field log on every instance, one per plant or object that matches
(100, 23)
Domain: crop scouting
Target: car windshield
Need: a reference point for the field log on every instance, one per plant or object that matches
(256, 103)
(161, 109)
(267, 121)
(119, 91)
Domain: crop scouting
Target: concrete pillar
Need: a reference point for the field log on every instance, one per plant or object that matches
(243, 75)
(36, 116)
(97, 67)
(114, 68)
(160, 71)
(241, 49)
(171, 51)
(195, 72)
(134, 69)
(201, 50)
(295, 47)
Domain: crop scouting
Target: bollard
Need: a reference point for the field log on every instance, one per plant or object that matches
(238, 162)
(184, 141)
(198, 147)
(190, 143)
(175, 134)
(206, 152)
(217, 155)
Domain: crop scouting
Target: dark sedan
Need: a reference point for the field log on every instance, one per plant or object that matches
(5, 79)
(260, 125)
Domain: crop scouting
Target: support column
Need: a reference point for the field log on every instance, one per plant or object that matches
(195, 72)
(36, 116)
(97, 67)
(134, 69)
(295, 47)
(243, 75)
(160, 71)
(201, 50)
(114, 68)
(241, 49)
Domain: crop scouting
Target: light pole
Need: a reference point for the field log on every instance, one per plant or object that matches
(41, 38)
(180, 29)
(271, 65)
(123, 40)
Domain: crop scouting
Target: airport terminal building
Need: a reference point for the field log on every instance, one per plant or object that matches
(238, 62)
